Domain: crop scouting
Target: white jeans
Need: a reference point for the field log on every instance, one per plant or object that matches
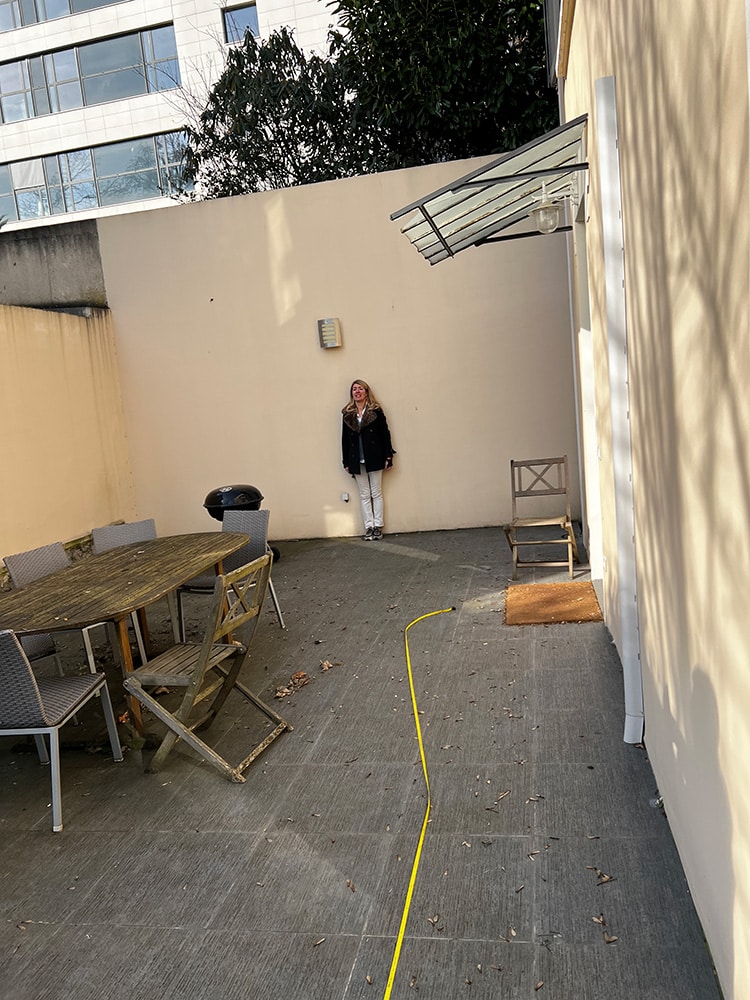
(370, 486)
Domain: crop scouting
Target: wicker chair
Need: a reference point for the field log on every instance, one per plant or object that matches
(112, 536)
(39, 707)
(25, 567)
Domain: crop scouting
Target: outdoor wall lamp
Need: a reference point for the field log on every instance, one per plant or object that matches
(546, 215)
(329, 332)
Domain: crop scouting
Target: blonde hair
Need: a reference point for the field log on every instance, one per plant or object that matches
(372, 402)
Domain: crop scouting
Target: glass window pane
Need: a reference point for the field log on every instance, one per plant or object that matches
(6, 184)
(77, 166)
(32, 204)
(56, 201)
(111, 54)
(61, 66)
(91, 4)
(52, 170)
(8, 17)
(81, 196)
(139, 186)
(171, 147)
(28, 12)
(164, 76)
(161, 42)
(15, 108)
(53, 8)
(36, 72)
(41, 102)
(8, 207)
(66, 96)
(114, 86)
(238, 20)
(13, 76)
(124, 157)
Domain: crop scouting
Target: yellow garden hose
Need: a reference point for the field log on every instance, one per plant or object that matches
(418, 852)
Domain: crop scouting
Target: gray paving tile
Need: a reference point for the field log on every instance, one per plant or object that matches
(183, 885)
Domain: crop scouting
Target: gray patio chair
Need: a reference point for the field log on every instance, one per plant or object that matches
(250, 522)
(207, 672)
(25, 567)
(112, 536)
(39, 707)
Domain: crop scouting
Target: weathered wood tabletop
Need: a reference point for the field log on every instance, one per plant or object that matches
(111, 585)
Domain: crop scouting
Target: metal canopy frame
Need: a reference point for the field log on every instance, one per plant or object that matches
(473, 209)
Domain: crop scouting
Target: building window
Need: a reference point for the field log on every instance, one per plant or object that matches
(115, 174)
(113, 68)
(18, 13)
(238, 20)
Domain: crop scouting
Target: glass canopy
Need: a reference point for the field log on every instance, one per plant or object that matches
(475, 208)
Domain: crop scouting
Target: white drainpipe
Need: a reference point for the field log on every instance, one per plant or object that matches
(614, 268)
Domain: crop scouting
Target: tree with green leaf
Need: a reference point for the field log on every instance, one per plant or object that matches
(405, 82)
(446, 79)
(275, 118)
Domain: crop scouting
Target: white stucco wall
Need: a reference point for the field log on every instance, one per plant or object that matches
(681, 77)
(215, 308)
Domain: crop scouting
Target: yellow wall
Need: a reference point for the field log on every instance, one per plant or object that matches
(65, 464)
(681, 72)
(215, 308)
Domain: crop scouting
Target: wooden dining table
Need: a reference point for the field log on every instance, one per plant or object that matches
(109, 586)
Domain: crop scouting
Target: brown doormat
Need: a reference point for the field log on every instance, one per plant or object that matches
(548, 603)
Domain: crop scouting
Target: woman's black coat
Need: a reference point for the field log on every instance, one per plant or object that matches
(376, 441)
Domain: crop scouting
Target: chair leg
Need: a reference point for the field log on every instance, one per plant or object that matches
(174, 616)
(109, 718)
(41, 748)
(139, 637)
(180, 617)
(89, 650)
(272, 591)
(54, 745)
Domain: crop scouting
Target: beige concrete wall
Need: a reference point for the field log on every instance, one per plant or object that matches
(682, 102)
(64, 454)
(215, 308)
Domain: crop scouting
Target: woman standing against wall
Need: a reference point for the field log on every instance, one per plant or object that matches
(367, 452)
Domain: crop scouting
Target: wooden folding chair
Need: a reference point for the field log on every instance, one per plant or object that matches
(533, 482)
(208, 671)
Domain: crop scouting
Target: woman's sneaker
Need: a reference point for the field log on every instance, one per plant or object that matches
(377, 534)
(369, 535)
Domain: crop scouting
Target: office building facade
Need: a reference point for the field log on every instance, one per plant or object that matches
(94, 93)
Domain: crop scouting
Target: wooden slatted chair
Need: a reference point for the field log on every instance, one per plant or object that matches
(534, 516)
(208, 672)
(250, 522)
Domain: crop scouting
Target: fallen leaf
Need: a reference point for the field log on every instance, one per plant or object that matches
(368, 980)
(539, 985)
(609, 938)
(350, 884)
(325, 664)
(433, 920)
(295, 682)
